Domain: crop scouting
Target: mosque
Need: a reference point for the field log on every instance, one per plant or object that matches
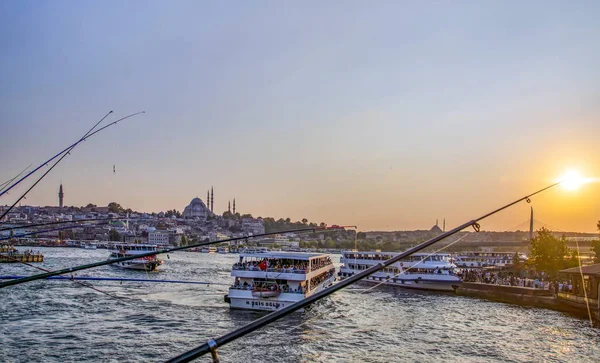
(197, 208)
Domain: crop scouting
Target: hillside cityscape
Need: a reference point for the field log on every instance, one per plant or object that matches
(199, 223)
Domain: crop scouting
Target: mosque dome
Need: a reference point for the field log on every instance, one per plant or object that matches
(196, 209)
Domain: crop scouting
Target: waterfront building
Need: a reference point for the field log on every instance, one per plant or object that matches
(253, 226)
(580, 289)
(159, 238)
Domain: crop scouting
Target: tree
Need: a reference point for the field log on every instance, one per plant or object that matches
(361, 235)
(113, 235)
(183, 241)
(304, 221)
(114, 207)
(547, 252)
(516, 260)
(90, 205)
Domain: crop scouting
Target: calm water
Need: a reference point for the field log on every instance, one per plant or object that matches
(61, 321)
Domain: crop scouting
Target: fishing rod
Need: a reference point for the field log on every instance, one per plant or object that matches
(212, 345)
(44, 231)
(55, 156)
(153, 253)
(6, 183)
(62, 157)
(120, 279)
(63, 222)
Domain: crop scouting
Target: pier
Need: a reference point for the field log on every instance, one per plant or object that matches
(21, 257)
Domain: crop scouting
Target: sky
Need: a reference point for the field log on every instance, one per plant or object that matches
(386, 114)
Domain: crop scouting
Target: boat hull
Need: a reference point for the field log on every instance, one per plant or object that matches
(138, 266)
(244, 299)
(418, 284)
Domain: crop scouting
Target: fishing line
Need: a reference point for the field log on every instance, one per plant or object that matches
(60, 222)
(44, 231)
(6, 183)
(587, 303)
(87, 134)
(77, 282)
(62, 157)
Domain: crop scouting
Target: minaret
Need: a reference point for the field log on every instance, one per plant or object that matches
(444, 229)
(531, 225)
(212, 199)
(229, 206)
(61, 196)
(208, 199)
(233, 205)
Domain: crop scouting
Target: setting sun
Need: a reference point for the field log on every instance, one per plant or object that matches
(572, 180)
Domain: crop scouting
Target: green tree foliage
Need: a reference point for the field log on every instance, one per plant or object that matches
(547, 252)
(115, 207)
(113, 235)
(361, 235)
(173, 212)
(184, 241)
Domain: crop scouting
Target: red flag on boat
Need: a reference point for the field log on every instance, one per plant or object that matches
(263, 265)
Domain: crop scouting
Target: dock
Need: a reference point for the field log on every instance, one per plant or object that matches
(21, 257)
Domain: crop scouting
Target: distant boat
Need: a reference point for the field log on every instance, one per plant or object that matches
(222, 250)
(9, 254)
(90, 246)
(255, 250)
(420, 271)
(488, 259)
(148, 263)
(209, 249)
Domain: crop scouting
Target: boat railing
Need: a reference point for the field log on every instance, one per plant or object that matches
(270, 269)
(282, 290)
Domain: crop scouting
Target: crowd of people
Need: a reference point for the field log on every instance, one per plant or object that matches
(268, 286)
(317, 264)
(315, 281)
(282, 265)
(502, 278)
(30, 252)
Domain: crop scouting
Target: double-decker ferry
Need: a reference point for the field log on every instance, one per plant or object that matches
(274, 280)
(488, 259)
(148, 263)
(418, 271)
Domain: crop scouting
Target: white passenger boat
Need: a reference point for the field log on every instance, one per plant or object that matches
(148, 263)
(419, 271)
(274, 280)
(90, 245)
(487, 259)
(222, 250)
